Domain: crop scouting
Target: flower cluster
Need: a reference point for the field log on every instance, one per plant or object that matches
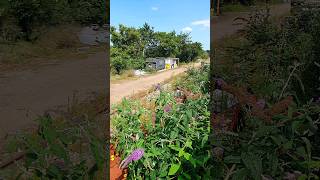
(134, 156)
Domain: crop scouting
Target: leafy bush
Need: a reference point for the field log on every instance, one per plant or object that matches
(119, 64)
(177, 146)
(57, 152)
(267, 55)
(274, 61)
(274, 150)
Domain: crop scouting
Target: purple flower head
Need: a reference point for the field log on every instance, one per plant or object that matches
(158, 87)
(134, 156)
(167, 108)
(261, 103)
(137, 154)
(318, 100)
(218, 83)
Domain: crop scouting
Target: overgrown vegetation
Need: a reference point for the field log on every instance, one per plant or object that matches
(131, 46)
(273, 62)
(173, 135)
(67, 145)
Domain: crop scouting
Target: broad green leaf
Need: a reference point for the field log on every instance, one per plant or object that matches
(174, 169)
(187, 156)
(204, 140)
(186, 176)
(240, 174)
(181, 152)
(189, 144)
(308, 146)
(253, 163)
(232, 159)
(176, 148)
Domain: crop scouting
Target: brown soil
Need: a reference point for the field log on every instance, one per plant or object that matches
(115, 172)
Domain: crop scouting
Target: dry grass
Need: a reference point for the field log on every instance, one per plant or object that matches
(126, 75)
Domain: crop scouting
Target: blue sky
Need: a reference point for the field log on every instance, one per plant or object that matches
(165, 15)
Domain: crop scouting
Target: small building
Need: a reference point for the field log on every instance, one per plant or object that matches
(171, 63)
(160, 63)
(155, 63)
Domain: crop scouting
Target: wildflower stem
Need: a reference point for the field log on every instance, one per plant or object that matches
(296, 65)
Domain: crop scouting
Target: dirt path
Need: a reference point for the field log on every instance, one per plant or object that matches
(26, 94)
(128, 88)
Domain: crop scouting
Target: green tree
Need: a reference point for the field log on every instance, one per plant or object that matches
(191, 51)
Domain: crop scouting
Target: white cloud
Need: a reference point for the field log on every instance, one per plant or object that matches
(155, 8)
(205, 23)
(187, 29)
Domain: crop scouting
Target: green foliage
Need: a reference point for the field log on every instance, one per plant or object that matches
(274, 61)
(274, 150)
(57, 152)
(177, 147)
(267, 54)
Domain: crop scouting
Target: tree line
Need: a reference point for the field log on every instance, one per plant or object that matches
(131, 46)
(21, 19)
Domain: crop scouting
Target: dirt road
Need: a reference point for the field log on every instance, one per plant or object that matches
(128, 88)
(26, 94)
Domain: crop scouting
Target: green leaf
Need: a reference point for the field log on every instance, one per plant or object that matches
(187, 156)
(303, 177)
(308, 146)
(186, 176)
(204, 140)
(276, 140)
(174, 169)
(232, 159)
(189, 144)
(273, 159)
(302, 152)
(240, 174)
(181, 152)
(314, 164)
(54, 171)
(59, 151)
(176, 148)
(253, 163)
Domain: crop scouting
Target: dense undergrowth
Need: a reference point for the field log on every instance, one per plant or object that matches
(66, 145)
(273, 61)
(174, 136)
